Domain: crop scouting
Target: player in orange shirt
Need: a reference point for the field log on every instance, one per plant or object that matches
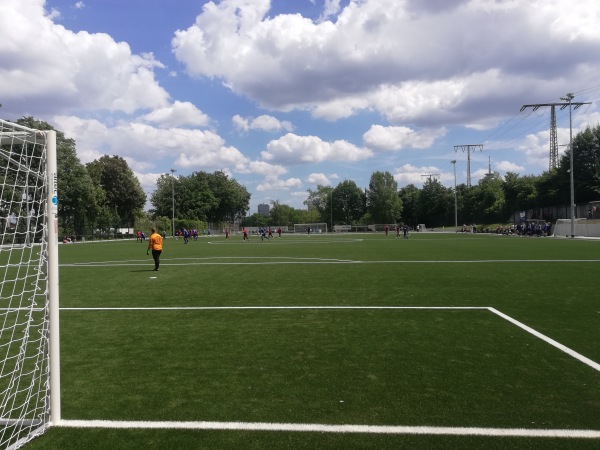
(155, 244)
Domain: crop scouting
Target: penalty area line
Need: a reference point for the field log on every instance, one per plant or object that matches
(543, 337)
(326, 428)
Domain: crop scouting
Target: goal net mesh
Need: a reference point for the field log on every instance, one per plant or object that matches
(315, 228)
(24, 362)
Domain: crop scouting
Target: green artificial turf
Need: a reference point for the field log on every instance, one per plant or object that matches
(422, 367)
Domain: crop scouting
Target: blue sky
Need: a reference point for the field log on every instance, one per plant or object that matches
(284, 95)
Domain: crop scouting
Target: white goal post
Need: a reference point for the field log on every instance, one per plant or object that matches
(315, 228)
(29, 349)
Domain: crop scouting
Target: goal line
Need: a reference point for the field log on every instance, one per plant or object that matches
(330, 428)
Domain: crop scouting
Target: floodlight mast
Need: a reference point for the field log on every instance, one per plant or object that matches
(453, 162)
(569, 98)
(173, 198)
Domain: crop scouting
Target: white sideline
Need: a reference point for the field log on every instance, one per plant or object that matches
(325, 428)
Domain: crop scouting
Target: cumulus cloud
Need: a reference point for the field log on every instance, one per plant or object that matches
(507, 166)
(294, 149)
(51, 75)
(273, 183)
(261, 123)
(193, 149)
(410, 174)
(179, 114)
(465, 61)
(321, 178)
(398, 138)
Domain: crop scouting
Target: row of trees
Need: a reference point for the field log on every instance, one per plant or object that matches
(100, 195)
(494, 199)
(106, 194)
(211, 197)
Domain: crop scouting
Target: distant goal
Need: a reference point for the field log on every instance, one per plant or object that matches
(315, 228)
(29, 363)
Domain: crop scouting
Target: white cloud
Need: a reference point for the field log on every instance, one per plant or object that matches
(321, 178)
(261, 123)
(398, 138)
(264, 168)
(273, 183)
(66, 71)
(79, 5)
(409, 174)
(451, 61)
(507, 166)
(294, 149)
(193, 149)
(331, 8)
(179, 114)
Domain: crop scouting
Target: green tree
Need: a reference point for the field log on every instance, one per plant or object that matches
(232, 199)
(285, 215)
(348, 202)
(411, 203)
(586, 164)
(255, 220)
(488, 197)
(383, 202)
(203, 196)
(520, 193)
(78, 205)
(436, 204)
(320, 200)
(124, 195)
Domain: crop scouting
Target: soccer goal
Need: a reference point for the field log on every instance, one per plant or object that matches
(315, 228)
(29, 351)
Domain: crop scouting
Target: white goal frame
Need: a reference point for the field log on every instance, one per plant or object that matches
(315, 228)
(30, 365)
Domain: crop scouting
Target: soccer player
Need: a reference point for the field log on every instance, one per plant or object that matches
(246, 238)
(227, 233)
(387, 230)
(155, 244)
(279, 231)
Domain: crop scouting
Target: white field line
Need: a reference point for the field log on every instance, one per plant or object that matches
(303, 241)
(218, 308)
(324, 428)
(290, 260)
(328, 428)
(558, 345)
(543, 337)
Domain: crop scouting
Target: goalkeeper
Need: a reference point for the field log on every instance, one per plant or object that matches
(155, 244)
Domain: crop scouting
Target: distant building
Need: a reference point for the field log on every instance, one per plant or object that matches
(264, 209)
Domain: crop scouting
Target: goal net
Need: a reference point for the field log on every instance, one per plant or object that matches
(315, 228)
(29, 284)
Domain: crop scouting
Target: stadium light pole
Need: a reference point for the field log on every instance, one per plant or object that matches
(331, 210)
(453, 162)
(569, 98)
(173, 198)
